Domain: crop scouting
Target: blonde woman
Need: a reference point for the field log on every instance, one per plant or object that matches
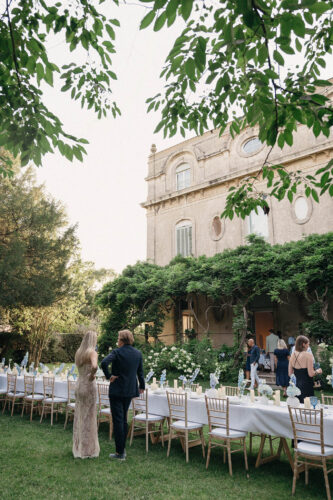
(85, 437)
(281, 355)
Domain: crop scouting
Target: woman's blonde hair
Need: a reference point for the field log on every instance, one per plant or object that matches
(88, 344)
(281, 344)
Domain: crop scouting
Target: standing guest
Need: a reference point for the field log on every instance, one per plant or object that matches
(126, 369)
(85, 437)
(301, 365)
(254, 361)
(271, 345)
(279, 334)
(281, 363)
(248, 364)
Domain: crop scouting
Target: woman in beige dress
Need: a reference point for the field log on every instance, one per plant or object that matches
(85, 437)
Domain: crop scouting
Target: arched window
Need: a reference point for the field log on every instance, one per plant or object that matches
(183, 176)
(184, 238)
(252, 145)
(258, 223)
(301, 208)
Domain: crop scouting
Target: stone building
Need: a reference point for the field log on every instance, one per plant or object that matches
(187, 188)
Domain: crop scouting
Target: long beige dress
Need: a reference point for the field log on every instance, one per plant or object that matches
(85, 436)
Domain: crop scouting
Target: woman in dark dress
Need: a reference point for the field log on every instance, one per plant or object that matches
(301, 365)
(248, 364)
(281, 364)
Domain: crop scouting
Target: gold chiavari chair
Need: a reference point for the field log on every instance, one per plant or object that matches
(326, 399)
(12, 394)
(30, 398)
(219, 430)
(144, 422)
(70, 406)
(180, 426)
(309, 446)
(231, 391)
(51, 403)
(104, 410)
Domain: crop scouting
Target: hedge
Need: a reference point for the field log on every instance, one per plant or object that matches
(61, 347)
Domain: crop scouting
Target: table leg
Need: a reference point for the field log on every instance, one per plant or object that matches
(274, 456)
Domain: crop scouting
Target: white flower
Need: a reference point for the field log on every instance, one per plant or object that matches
(173, 348)
(156, 354)
(149, 357)
(322, 345)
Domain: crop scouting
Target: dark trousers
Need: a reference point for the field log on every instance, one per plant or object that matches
(119, 407)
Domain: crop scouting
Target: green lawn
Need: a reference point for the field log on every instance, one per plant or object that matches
(36, 462)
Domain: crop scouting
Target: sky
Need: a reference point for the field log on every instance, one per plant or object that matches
(103, 194)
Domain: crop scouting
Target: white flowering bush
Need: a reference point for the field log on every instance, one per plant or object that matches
(183, 359)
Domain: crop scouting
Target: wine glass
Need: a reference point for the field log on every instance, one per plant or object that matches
(316, 365)
(314, 401)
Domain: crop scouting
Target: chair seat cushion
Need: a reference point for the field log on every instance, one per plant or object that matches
(16, 394)
(180, 424)
(150, 418)
(105, 411)
(220, 432)
(314, 449)
(35, 397)
(55, 400)
(71, 405)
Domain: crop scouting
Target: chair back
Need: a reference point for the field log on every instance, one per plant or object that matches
(177, 406)
(218, 413)
(71, 386)
(103, 395)
(194, 387)
(48, 387)
(140, 404)
(307, 426)
(11, 382)
(326, 400)
(231, 391)
(29, 385)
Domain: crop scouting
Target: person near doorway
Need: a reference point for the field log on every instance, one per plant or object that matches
(254, 362)
(271, 345)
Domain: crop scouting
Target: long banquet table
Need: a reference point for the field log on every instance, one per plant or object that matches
(256, 418)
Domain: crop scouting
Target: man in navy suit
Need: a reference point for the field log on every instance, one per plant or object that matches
(127, 369)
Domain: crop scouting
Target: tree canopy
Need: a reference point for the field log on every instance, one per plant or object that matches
(36, 244)
(236, 63)
(146, 292)
(249, 63)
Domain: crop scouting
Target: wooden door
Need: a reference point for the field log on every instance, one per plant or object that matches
(264, 321)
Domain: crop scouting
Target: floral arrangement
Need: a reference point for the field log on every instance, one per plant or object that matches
(213, 380)
(163, 377)
(71, 371)
(44, 368)
(24, 361)
(18, 368)
(57, 371)
(32, 367)
(194, 375)
(265, 390)
(149, 376)
(292, 390)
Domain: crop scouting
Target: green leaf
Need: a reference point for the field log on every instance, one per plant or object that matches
(190, 68)
(278, 58)
(147, 20)
(288, 137)
(320, 7)
(110, 31)
(186, 8)
(315, 195)
(160, 21)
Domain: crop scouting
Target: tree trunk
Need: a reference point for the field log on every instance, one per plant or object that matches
(178, 320)
(243, 335)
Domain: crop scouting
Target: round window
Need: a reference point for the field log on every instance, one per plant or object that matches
(301, 208)
(252, 145)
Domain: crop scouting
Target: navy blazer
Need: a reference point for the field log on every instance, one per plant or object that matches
(127, 366)
(255, 354)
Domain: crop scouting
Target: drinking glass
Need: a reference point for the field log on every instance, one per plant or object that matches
(314, 401)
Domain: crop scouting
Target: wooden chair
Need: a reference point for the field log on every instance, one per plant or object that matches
(143, 422)
(180, 425)
(309, 447)
(12, 394)
(30, 398)
(219, 429)
(51, 403)
(70, 406)
(326, 400)
(231, 391)
(104, 410)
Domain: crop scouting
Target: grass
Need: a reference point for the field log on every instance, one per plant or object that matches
(36, 462)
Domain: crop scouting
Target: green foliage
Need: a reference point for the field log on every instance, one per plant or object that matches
(36, 244)
(231, 55)
(27, 127)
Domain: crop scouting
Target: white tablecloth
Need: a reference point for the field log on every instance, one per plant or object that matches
(258, 418)
(60, 386)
